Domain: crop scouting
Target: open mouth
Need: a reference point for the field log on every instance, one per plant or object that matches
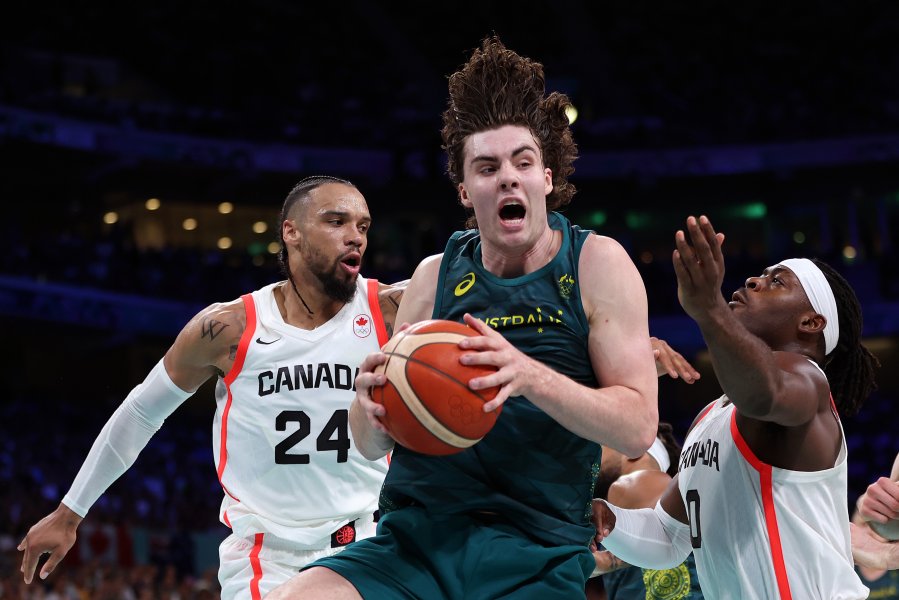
(352, 262)
(512, 212)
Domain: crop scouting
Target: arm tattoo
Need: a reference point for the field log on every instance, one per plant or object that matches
(211, 328)
(232, 354)
(395, 296)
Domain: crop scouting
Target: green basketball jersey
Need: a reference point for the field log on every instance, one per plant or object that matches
(885, 587)
(528, 470)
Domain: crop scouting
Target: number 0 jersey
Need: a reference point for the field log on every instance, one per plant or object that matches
(281, 438)
(760, 532)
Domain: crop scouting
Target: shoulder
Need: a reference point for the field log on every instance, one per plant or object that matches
(427, 272)
(799, 366)
(429, 263)
(223, 314)
(609, 278)
(640, 489)
(419, 296)
(207, 344)
(219, 325)
(601, 247)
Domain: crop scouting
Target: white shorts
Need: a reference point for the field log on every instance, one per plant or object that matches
(251, 568)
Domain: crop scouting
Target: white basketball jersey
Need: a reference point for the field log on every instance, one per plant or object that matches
(282, 442)
(760, 532)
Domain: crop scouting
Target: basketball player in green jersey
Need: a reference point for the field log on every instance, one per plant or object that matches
(562, 313)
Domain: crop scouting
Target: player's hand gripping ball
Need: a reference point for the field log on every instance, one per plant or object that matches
(430, 408)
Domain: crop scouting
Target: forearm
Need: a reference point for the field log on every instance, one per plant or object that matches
(648, 538)
(618, 416)
(123, 437)
(744, 365)
(370, 442)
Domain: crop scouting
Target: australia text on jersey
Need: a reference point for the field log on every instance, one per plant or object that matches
(537, 317)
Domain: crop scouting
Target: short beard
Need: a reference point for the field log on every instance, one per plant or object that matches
(342, 291)
(334, 286)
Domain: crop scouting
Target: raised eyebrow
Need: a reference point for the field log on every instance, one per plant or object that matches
(491, 158)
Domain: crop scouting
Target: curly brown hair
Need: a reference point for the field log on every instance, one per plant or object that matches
(499, 87)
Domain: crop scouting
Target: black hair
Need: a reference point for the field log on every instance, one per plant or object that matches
(850, 366)
(300, 192)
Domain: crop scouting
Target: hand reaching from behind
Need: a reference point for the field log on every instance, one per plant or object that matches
(603, 519)
(872, 551)
(605, 562)
(672, 363)
(880, 502)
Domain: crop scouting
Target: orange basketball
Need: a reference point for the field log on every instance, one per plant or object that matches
(430, 408)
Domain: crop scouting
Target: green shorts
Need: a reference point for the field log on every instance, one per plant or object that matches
(421, 556)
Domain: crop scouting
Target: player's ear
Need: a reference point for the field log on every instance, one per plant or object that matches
(289, 231)
(812, 323)
(463, 196)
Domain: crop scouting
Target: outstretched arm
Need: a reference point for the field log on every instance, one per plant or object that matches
(202, 348)
(780, 387)
(656, 538)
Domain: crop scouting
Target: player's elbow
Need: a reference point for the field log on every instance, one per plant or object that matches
(642, 440)
(371, 454)
(374, 446)
(645, 431)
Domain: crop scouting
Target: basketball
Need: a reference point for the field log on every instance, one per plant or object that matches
(430, 408)
(888, 531)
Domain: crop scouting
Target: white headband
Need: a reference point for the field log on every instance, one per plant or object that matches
(819, 294)
(660, 453)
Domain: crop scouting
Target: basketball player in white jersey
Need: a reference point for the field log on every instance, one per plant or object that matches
(761, 493)
(286, 356)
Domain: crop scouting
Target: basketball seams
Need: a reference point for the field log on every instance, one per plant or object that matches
(427, 354)
(395, 371)
(446, 375)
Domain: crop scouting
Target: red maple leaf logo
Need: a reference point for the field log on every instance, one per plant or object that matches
(361, 321)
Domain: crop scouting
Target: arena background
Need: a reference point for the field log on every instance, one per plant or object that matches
(778, 120)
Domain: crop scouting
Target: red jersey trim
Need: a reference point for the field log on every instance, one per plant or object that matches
(257, 567)
(766, 484)
(242, 346)
(374, 304)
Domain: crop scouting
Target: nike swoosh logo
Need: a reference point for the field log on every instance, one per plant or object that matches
(259, 340)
